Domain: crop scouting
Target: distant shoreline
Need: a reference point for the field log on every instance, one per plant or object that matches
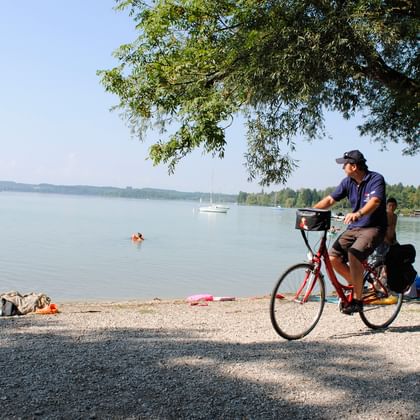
(128, 192)
(285, 198)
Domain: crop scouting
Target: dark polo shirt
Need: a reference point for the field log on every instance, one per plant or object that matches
(372, 185)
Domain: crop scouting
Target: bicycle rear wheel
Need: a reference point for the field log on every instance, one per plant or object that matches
(297, 301)
(381, 305)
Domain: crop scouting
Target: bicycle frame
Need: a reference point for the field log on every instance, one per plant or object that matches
(317, 258)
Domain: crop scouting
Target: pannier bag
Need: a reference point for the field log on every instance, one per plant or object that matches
(313, 219)
(400, 271)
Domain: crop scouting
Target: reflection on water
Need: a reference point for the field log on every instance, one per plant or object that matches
(408, 229)
(74, 247)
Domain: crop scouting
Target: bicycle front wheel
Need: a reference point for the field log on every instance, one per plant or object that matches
(381, 306)
(297, 301)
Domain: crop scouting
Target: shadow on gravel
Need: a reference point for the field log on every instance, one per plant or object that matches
(409, 329)
(176, 374)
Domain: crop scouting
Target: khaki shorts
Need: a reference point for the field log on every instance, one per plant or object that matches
(361, 242)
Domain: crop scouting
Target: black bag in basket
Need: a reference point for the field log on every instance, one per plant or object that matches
(313, 219)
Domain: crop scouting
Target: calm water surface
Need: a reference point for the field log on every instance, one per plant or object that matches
(75, 247)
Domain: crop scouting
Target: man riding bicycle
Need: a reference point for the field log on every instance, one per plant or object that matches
(367, 222)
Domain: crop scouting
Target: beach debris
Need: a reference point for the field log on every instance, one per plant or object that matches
(224, 298)
(203, 299)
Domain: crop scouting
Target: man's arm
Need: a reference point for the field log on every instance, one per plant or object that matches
(368, 208)
(325, 203)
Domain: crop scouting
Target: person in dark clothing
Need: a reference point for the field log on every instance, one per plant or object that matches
(367, 222)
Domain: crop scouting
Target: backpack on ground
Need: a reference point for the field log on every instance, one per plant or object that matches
(8, 308)
(399, 267)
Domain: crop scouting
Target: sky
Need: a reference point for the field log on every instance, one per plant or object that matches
(56, 126)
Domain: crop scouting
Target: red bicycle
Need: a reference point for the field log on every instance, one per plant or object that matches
(298, 298)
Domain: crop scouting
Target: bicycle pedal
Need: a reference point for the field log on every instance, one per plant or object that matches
(340, 305)
(343, 312)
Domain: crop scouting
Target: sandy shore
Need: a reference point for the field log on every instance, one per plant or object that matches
(166, 359)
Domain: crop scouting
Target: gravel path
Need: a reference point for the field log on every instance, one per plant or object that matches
(166, 359)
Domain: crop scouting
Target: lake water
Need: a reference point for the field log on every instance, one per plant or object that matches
(79, 248)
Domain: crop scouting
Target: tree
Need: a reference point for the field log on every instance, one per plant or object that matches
(242, 196)
(304, 197)
(197, 64)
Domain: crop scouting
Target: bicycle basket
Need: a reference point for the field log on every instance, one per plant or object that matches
(313, 219)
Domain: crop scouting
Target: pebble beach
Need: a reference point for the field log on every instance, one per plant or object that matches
(166, 359)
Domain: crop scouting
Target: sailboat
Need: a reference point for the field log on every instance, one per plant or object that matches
(214, 208)
(222, 206)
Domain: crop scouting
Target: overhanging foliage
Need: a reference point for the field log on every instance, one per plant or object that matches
(196, 64)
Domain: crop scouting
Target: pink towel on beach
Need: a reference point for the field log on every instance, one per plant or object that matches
(202, 296)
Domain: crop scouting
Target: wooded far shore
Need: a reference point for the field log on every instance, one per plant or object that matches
(408, 197)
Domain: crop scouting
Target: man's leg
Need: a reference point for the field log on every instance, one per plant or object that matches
(341, 267)
(352, 272)
(356, 273)
(338, 254)
(367, 239)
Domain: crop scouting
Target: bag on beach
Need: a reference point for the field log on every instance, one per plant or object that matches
(8, 308)
(400, 271)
